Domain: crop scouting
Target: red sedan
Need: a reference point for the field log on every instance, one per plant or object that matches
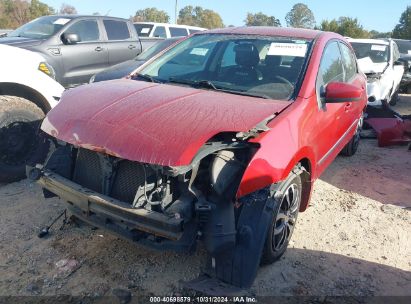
(218, 139)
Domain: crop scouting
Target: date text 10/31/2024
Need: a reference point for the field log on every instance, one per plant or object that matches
(203, 299)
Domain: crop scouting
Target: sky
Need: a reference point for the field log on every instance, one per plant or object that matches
(380, 15)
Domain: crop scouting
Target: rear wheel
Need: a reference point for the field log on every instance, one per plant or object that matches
(20, 144)
(351, 148)
(284, 218)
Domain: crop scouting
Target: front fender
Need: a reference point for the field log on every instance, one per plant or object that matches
(279, 153)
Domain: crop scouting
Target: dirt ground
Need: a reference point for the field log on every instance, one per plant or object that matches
(354, 240)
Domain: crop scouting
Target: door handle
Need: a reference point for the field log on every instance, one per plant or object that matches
(347, 106)
(131, 46)
(98, 49)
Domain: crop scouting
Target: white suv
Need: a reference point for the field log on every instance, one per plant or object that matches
(27, 92)
(378, 59)
(165, 30)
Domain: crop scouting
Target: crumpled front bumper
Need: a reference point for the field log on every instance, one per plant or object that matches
(108, 213)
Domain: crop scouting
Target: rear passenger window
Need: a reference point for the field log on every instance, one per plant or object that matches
(116, 30)
(160, 31)
(178, 32)
(349, 63)
(87, 30)
(193, 31)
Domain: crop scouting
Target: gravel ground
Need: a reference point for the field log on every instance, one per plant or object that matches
(354, 240)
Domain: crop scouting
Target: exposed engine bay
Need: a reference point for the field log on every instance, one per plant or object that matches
(161, 206)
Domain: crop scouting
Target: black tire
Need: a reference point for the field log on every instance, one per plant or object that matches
(394, 99)
(286, 208)
(351, 148)
(20, 143)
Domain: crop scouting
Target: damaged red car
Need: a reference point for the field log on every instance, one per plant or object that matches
(218, 139)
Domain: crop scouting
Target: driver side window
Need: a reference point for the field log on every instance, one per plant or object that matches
(87, 30)
(331, 68)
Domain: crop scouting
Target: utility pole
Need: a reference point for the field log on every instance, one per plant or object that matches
(175, 13)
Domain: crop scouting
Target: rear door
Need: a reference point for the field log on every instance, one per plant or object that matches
(352, 110)
(121, 44)
(86, 58)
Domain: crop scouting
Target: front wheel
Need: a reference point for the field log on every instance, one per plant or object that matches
(284, 218)
(394, 99)
(20, 144)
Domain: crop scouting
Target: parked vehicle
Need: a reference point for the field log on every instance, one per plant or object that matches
(3, 33)
(27, 91)
(165, 30)
(379, 60)
(126, 68)
(218, 139)
(404, 47)
(77, 47)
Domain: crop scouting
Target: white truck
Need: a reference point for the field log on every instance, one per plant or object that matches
(27, 92)
(164, 30)
(378, 60)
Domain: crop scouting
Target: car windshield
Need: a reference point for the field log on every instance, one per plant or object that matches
(143, 29)
(155, 49)
(267, 67)
(378, 53)
(41, 28)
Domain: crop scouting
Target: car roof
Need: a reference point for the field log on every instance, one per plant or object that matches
(267, 31)
(369, 41)
(173, 25)
(85, 16)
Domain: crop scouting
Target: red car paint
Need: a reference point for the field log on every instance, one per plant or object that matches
(166, 125)
(152, 123)
(391, 131)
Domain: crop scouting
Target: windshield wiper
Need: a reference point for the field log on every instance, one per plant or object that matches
(245, 93)
(147, 78)
(210, 85)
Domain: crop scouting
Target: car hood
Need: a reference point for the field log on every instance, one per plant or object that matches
(20, 41)
(152, 123)
(119, 70)
(367, 66)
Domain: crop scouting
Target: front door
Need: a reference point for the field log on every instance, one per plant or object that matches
(86, 58)
(330, 127)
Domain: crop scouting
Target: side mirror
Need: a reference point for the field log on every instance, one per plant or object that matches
(70, 39)
(337, 92)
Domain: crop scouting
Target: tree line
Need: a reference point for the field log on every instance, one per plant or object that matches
(14, 13)
(300, 16)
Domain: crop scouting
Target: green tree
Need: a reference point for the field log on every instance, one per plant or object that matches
(403, 29)
(198, 16)
(151, 15)
(377, 35)
(67, 9)
(260, 19)
(38, 9)
(300, 16)
(345, 26)
(15, 13)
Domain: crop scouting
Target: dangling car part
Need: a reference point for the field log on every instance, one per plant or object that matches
(217, 140)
